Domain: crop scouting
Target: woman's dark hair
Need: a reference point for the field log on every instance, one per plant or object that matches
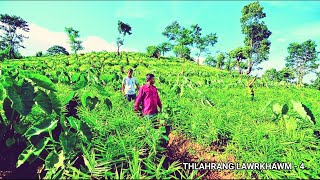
(149, 76)
(130, 70)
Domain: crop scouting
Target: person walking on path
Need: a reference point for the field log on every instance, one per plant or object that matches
(149, 98)
(128, 84)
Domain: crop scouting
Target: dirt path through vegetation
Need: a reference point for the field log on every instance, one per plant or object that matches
(181, 149)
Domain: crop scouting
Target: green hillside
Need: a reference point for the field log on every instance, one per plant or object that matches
(68, 119)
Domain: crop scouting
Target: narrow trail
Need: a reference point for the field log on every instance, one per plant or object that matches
(181, 149)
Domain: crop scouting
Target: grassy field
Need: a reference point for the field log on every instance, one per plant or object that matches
(67, 118)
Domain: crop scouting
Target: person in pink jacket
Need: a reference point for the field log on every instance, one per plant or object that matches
(149, 98)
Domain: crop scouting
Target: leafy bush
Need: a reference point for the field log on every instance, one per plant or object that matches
(54, 50)
(39, 54)
(153, 51)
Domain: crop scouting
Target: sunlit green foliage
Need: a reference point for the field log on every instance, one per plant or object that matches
(87, 118)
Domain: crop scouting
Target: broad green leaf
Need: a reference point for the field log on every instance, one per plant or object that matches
(285, 109)
(298, 107)
(162, 121)
(108, 103)
(86, 131)
(44, 125)
(7, 82)
(176, 89)
(32, 158)
(63, 122)
(74, 123)
(22, 97)
(75, 77)
(23, 157)
(101, 90)
(64, 79)
(162, 129)
(103, 77)
(43, 81)
(68, 141)
(58, 73)
(84, 98)
(309, 113)
(51, 160)
(61, 160)
(110, 78)
(39, 147)
(56, 104)
(81, 83)
(54, 78)
(20, 82)
(91, 102)
(84, 67)
(9, 112)
(20, 128)
(277, 108)
(162, 79)
(70, 96)
(43, 101)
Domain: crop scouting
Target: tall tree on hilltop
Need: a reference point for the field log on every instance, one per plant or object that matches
(240, 54)
(184, 38)
(123, 29)
(220, 60)
(11, 39)
(172, 31)
(182, 51)
(272, 75)
(256, 34)
(302, 58)
(165, 47)
(181, 37)
(286, 74)
(56, 49)
(202, 42)
(210, 61)
(228, 62)
(153, 51)
(75, 43)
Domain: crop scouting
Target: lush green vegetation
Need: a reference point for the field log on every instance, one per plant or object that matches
(69, 118)
(64, 116)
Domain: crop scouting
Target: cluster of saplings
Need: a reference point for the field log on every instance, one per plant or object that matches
(302, 58)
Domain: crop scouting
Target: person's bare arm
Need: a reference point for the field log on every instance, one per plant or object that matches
(122, 89)
(138, 100)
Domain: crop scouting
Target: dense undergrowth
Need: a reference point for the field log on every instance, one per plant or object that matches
(68, 118)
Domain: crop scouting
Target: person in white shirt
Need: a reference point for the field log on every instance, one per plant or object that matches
(128, 84)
